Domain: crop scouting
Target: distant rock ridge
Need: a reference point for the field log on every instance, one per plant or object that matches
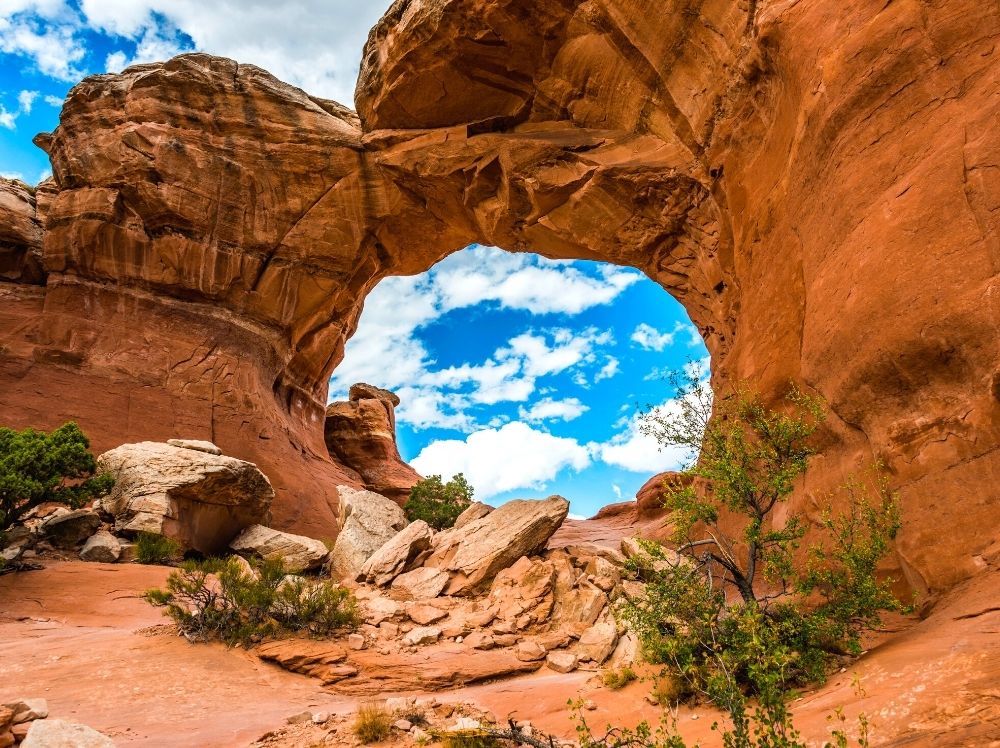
(815, 182)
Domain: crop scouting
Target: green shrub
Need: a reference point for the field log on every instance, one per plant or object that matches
(219, 599)
(615, 679)
(438, 504)
(733, 615)
(372, 723)
(36, 467)
(151, 548)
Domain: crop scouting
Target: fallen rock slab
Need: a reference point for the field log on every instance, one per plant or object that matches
(475, 510)
(477, 552)
(370, 520)
(102, 547)
(561, 662)
(423, 583)
(396, 556)
(296, 552)
(598, 642)
(58, 733)
(323, 660)
(26, 710)
(69, 529)
(200, 499)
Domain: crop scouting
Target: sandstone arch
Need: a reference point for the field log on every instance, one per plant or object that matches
(816, 183)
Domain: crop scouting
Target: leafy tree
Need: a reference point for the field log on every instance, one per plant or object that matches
(439, 504)
(36, 467)
(730, 610)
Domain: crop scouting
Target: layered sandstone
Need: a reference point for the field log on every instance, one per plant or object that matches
(817, 183)
(361, 433)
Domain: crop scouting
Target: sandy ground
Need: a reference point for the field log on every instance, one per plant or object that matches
(79, 635)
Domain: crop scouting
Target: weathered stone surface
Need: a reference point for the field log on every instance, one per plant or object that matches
(425, 614)
(190, 284)
(422, 583)
(475, 510)
(561, 662)
(20, 235)
(26, 710)
(529, 651)
(103, 547)
(323, 660)
(198, 445)
(199, 499)
(393, 558)
(422, 635)
(297, 552)
(524, 589)
(477, 552)
(361, 433)
(370, 521)
(58, 733)
(69, 529)
(598, 642)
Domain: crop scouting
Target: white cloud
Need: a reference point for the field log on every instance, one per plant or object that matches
(53, 101)
(25, 100)
(386, 349)
(314, 44)
(515, 456)
(633, 450)
(609, 369)
(649, 338)
(12, 174)
(45, 35)
(546, 409)
(617, 489)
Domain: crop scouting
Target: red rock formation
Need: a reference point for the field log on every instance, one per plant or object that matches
(361, 434)
(817, 183)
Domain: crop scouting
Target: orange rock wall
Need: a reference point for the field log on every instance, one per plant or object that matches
(816, 182)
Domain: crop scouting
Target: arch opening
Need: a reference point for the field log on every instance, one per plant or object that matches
(528, 375)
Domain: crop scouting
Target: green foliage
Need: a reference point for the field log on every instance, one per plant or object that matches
(732, 613)
(220, 599)
(372, 723)
(36, 467)
(615, 679)
(439, 504)
(151, 548)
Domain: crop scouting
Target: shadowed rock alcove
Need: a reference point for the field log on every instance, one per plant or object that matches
(210, 233)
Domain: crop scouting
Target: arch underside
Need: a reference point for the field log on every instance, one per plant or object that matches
(210, 233)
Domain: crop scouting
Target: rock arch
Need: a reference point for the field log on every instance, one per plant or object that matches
(816, 184)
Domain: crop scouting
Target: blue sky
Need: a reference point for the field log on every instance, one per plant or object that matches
(524, 373)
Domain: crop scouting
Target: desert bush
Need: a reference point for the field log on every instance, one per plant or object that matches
(618, 678)
(36, 467)
(219, 599)
(372, 723)
(151, 548)
(737, 616)
(438, 504)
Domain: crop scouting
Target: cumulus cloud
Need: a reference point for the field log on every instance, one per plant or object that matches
(314, 44)
(514, 456)
(649, 338)
(548, 409)
(387, 350)
(25, 100)
(46, 33)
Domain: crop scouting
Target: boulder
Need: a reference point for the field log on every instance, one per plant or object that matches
(27, 710)
(397, 555)
(475, 510)
(297, 552)
(58, 733)
(561, 662)
(524, 588)
(361, 433)
(425, 614)
(102, 546)
(378, 609)
(370, 521)
(422, 635)
(582, 604)
(529, 651)
(423, 583)
(201, 500)
(69, 529)
(477, 552)
(598, 642)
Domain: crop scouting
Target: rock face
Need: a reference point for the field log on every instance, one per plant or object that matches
(370, 521)
(297, 552)
(815, 182)
(394, 558)
(199, 499)
(361, 434)
(478, 551)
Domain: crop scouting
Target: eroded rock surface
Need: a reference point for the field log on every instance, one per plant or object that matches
(370, 521)
(197, 498)
(815, 182)
(361, 433)
(296, 552)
